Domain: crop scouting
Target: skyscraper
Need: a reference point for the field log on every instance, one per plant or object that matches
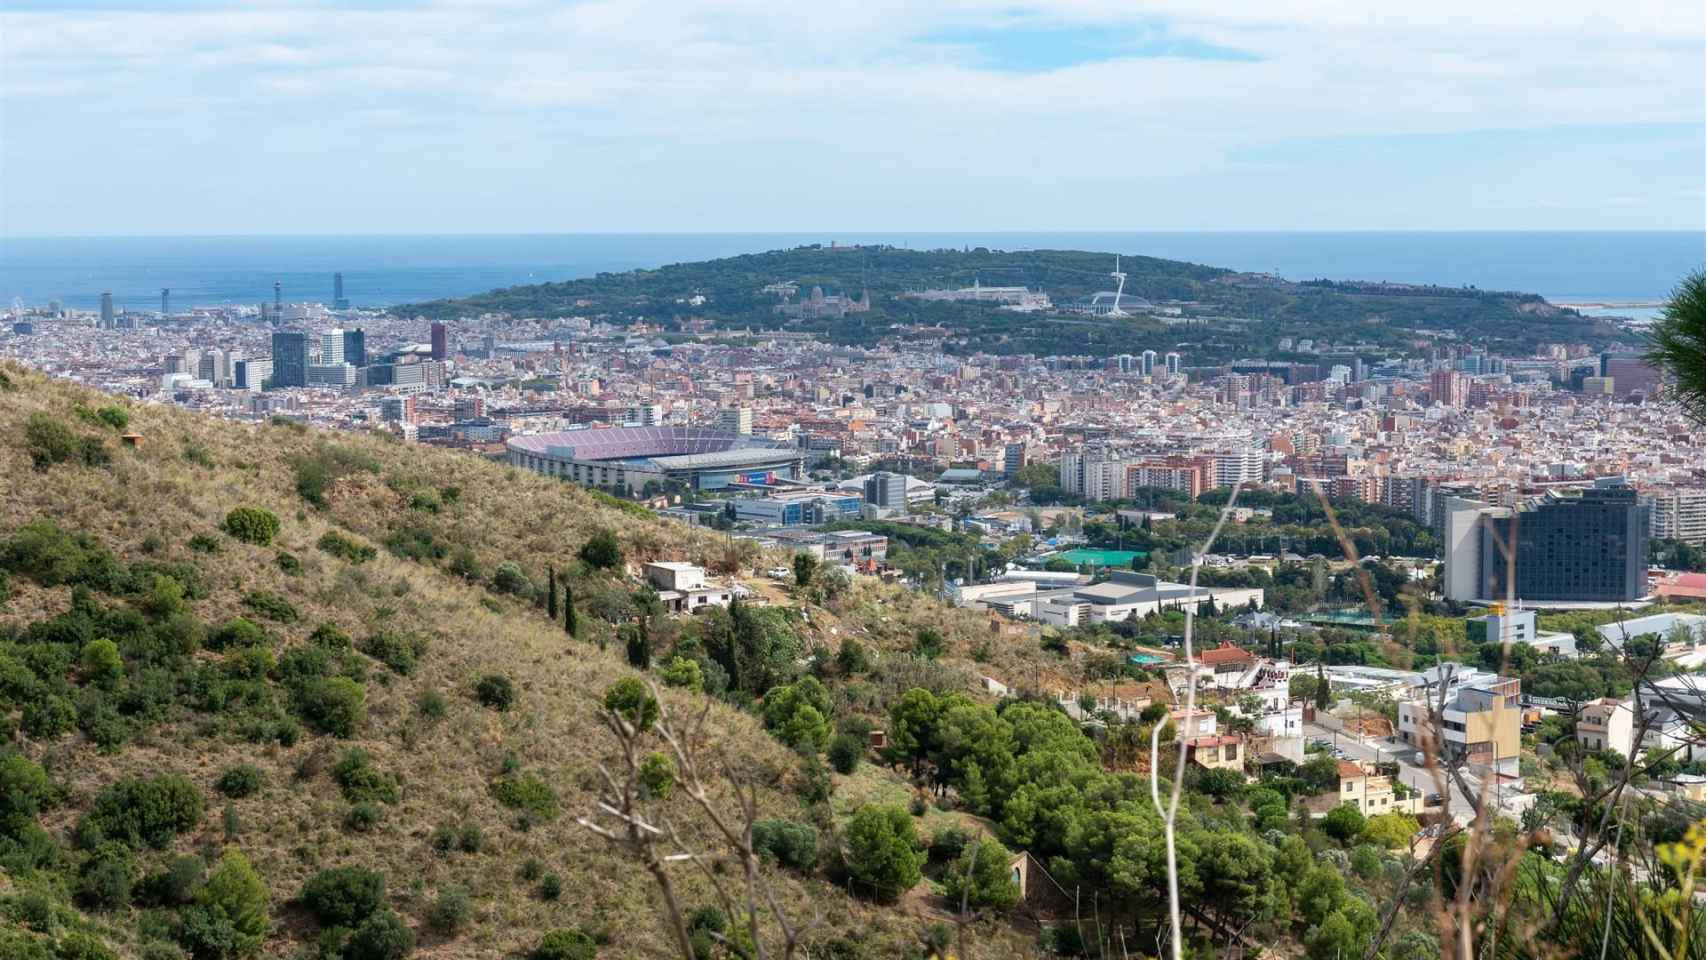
(332, 346)
(339, 302)
(277, 297)
(440, 341)
(290, 359)
(355, 347)
(165, 301)
(1149, 363)
(1173, 363)
(1587, 548)
(107, 322)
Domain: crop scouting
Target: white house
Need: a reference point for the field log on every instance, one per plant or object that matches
(683, 587)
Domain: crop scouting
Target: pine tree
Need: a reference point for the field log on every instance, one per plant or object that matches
(551, 593)
(571, 622)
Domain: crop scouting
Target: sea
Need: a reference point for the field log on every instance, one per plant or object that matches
(1621, 273)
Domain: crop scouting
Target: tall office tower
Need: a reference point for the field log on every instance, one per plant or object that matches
(290, 359)
(1013, 458)
(277, 297)
(735, 420)
(355, 347)
(165, 301)
(1589, 548)
(886, 491)
(339, 301)
(107, 322)
(440, 341)
(1126, 362)
(208, 368)
(1173, 364)
(1449, 388)
(1629, 373)
(332, 346)
(1149, 363)
(251, 373)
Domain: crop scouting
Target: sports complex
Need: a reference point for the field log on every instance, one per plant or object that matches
(627, 458)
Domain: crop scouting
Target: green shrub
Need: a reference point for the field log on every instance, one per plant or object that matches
(509, 578)
(362, 817)
(602, 551)
(982, 877)
(496, 691)
(43, 552)
(333, 705)
(346, 548)
(361, 781)
(657, 775)
(343, 896)
(416, 542)
(236, 632)
(382, 936)
(288, 563)
(396, 650)
(177, 884)
(272, 606)
(106, 878)
(845, 752)
(883, 854)
(49, 717)
(682, 672)
(50, 441)
(101, 663)
(431, 705)
(565, 945)
(229, 918)
(318, 471)
(629, 699)
(465, 564)
(470, 839)
(239, 781)
(527, 793)
(550, 886)
(79, 945)
(451, 912)
(25, 789)
(204, 543)
(141, 811)
(785, 842)
(252, 525)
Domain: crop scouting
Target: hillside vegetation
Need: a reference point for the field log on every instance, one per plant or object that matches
(1232, 315)
(290, 651)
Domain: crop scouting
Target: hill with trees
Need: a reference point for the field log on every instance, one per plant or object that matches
(1221, 314)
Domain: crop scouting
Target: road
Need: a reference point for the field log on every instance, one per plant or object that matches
(1412, 775)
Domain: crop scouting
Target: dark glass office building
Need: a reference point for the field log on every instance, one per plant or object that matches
(355, 346)
(290, 359)
(1587, 548)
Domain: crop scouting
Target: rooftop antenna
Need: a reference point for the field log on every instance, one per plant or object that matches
(1120, 276)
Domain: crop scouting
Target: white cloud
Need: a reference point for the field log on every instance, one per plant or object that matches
(859, 79)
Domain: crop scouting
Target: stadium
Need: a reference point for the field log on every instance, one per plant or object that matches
(627, 458)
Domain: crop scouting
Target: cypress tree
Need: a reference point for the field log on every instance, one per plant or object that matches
(571, 623)
(551, 592)
(1323, 693)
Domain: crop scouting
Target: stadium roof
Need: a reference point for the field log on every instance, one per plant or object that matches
(627, 443)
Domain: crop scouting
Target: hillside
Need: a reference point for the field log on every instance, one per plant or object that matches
(85, 543)
(1231, 314)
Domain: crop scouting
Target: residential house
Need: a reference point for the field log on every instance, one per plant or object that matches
(683, 587)
(1606, 724)
(1218, 752)
(1482, 724)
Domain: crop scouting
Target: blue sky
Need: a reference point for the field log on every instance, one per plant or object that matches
(398, 116)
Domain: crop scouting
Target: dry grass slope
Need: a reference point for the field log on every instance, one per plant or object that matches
(189, 471)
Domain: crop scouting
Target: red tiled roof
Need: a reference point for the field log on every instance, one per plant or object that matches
(1350, 771)
(1225, 653)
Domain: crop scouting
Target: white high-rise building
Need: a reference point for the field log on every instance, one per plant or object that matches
(735, 420)
(332, 347)
(1149, 363)
(1173, 364)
